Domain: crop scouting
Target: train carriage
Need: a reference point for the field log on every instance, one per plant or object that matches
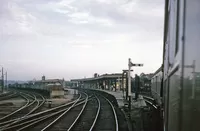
(156, 86)
(181, 64)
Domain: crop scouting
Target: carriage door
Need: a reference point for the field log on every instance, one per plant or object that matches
(172, 70)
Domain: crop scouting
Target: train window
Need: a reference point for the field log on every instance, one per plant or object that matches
(177, 27)
(191, 96)
(173, 32)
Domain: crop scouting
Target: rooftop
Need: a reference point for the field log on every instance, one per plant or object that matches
(115, 75)
(48, 81)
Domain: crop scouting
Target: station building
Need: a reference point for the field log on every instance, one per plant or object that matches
(106, 82)
(54, 86)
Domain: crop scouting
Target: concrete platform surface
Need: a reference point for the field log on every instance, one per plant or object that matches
(121, 100)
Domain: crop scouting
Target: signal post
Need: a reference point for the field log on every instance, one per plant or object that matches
(130, 64)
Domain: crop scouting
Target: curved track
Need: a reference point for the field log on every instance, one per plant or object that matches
(38, 120)
(90, 116)
(150, 101)
(32, 104)
(8, 95)
(88, 112)
(107, 119)
(16, 111)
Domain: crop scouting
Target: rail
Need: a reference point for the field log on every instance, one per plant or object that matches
(60, 116)
(150, 101)
(14, 112)
(115, 115)
(72, 125)
(97, 114)
(11, 122)
(58, 112)
(31, 116)
(27, 124)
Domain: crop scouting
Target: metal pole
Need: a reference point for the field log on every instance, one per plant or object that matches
(193, 80)
(123, 83)
(126, 82)
(126, 85)
(6, 81)
(129, 82)
(129, 77)
(2, 79)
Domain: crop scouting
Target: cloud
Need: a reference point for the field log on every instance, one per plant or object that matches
(33, 16)
(101, 34)
(14, 20)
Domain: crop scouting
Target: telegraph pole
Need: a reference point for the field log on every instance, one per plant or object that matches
(193, 80)
(6, 81)
(2, 79)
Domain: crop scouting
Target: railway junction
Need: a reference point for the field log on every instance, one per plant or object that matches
(86, 110)
(98, 103)
(113, 102)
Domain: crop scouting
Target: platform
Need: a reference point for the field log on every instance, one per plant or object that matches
(121, 100)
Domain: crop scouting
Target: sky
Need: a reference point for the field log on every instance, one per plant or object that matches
(77, 38)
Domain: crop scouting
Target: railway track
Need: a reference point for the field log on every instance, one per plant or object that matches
(40, 118)
(32, 104)
(155, 116)
(107, 119)
(68, 113)
(8, 95)
(6, 117)
(87, 112)
(92, 115)
(89, 116)
(150, 101)
(8, 106)
(4, 94)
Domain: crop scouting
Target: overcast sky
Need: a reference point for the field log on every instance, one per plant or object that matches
(76, 38)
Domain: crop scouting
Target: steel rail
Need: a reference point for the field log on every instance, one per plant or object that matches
(154, 106)
(14, 112)
(149, 98)
(48, 117)
(150, 101)
(39, 113)
(72, 125)
(97, 114)
(36, 107)
(4, 94)
(7, 96)
(37, 120)
(114, 113)
(60, 116)
(34, 100)
(43, 100)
